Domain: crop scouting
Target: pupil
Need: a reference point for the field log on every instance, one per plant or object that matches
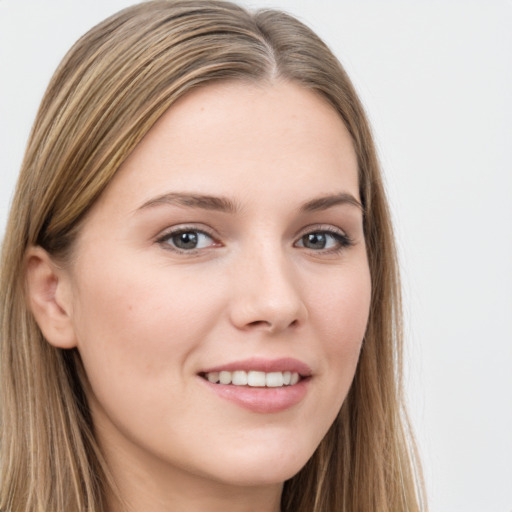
(186, 240)
(315, 241)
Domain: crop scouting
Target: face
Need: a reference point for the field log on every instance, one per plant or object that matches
(220, 287)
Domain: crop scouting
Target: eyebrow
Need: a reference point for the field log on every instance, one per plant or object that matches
(223, 204)
(205, 202)
(325, 202)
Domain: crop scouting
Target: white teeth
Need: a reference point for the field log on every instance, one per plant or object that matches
(274, 380)
(225, 377)
(239, 378)
(254, 379)
(213, 377)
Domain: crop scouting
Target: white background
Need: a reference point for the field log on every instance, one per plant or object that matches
(436, 79)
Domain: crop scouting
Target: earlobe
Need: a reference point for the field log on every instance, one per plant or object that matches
(49, 298)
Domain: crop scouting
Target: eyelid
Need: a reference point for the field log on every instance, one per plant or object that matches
(344, 240)
(313, 228)
(164, 235)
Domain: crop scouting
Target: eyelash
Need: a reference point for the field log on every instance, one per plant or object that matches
(175, 232)
(343, 240)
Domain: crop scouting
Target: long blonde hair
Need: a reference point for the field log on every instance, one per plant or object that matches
(110, 89)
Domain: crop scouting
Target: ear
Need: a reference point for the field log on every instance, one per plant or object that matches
(49, 297)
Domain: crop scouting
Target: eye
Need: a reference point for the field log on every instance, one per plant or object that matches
(185, 239)
(324, 240)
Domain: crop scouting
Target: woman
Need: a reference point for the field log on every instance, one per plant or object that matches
(200, 300)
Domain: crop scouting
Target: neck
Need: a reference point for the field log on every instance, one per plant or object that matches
(138, 499)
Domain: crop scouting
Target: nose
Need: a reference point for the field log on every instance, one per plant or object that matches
(267, 294)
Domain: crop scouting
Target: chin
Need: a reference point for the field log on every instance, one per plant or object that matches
(267, 464)
(260, 475)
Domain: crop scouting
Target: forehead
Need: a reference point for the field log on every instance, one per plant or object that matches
(242, 139)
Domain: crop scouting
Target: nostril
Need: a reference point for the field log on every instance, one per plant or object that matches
(260, 323)
(270, 326)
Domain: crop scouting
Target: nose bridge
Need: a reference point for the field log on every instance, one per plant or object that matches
(268, 294)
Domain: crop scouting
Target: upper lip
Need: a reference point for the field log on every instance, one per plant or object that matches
(285, 364)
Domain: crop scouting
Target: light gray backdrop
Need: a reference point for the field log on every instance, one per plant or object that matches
(436, 79)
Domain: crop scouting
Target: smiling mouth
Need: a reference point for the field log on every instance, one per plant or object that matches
(254, 379)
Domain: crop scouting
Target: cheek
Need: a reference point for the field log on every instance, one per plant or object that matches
(340, 317)
(341, 306)
(131, 326)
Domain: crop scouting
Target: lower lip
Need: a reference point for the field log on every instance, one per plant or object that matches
(261, 400)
